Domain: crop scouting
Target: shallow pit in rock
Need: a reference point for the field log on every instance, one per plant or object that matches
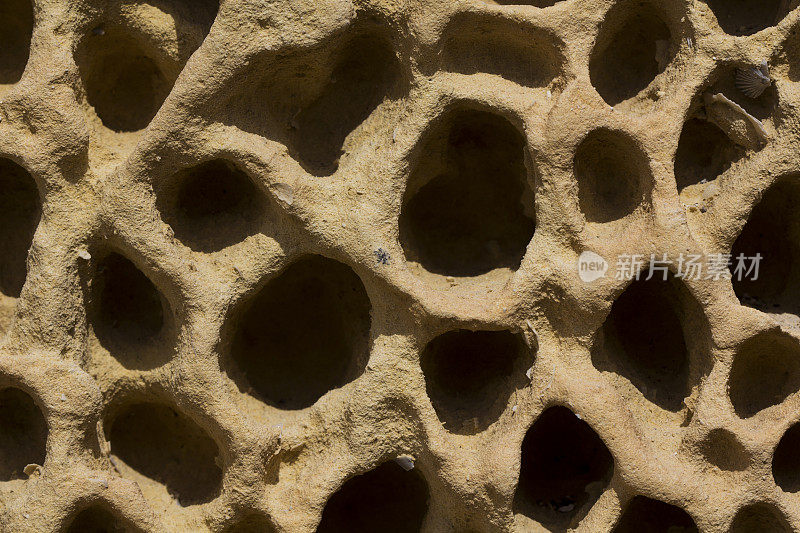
(474, 44)
(167, 450)
(470, 375)
(633, 47)
(704, 152)
(759, 517)
(653, 516)
(130, 318)
(613, 174)
(387, 498)
(211, 206)
(643, 340)
(765, 371)
(98, 518)
(124, 84)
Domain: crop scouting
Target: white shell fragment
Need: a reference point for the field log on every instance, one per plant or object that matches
(740, 126)
(285, 193)
(753, 81)
(406, 462)
(84, 254)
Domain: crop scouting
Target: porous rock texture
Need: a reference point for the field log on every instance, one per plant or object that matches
(299, 265)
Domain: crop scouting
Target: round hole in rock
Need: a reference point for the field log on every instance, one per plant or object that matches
(23, 434)
(565, 468)
(653, 516)
(765, 370)
(385, 499)
(633, 47)
(704, 152)
(367, 72)
(722, 449)
(773, 231)
(15, 39)
(99, 519)
(470, 375)
(211, 206)
(642, 340)
(468, 207)
(252, 523)
(123, 84)
(127, 312)
(476, 44)
(746, 17)
(305, 333)
(759, 517)
(613, 176)
(20, 211)
(164, 448)
(786, 461)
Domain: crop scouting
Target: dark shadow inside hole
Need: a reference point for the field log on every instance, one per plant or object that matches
(653, 516)
(252, 523)
(128, 314)
(786, 461)
(211, 206)
(15, 39)
(759, 517)
(385, 499)
(470, 375)
(475, 44)
(633, 47)
(123, 83)
(20, 211)
(305, 333)
(642, 339)
(613, 176)
(168, 447)
(468, 207)
(367, 72)
(746, 17)
(765, 370)
(98, 519)
(23, 434)
(722, 449)
(704, 152)
(773, 231)
(565, 468)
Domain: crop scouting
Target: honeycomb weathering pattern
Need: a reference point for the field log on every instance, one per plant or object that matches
(254, 251)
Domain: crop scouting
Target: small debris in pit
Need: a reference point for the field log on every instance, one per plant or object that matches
(406, 462)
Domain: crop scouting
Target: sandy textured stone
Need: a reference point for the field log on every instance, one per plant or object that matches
(299, 265)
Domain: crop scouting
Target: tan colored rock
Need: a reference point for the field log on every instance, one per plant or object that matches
(300, 265)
